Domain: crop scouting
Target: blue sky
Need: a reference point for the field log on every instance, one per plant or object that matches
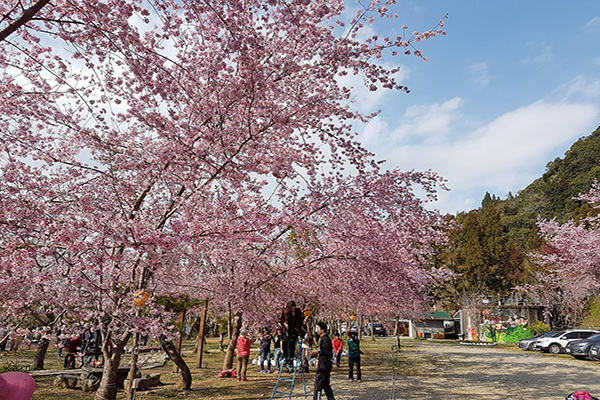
(510, 88)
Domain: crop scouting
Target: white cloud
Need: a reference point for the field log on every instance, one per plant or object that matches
(593, 25)
(581, 86)
(480, 74)
(428, 122)
(364, 98)
(504, 155)
(372, 131)
(541, 53)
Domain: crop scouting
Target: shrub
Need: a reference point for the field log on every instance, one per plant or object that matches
(539, 328)
(10, 366)
(513, 335)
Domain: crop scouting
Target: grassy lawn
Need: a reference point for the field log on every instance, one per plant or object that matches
(206, 385)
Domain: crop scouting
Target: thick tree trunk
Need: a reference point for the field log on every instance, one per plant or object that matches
(186, 376)
(40, 355)
(229, 354)
(112, 358)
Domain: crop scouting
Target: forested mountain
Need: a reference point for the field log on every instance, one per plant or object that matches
(489, 246)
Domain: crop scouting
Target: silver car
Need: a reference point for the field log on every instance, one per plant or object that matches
(557, 344)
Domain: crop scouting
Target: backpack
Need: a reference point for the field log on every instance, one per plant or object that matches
(580, 395)
(228, 373)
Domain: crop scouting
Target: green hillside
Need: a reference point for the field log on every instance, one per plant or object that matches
(490, 247)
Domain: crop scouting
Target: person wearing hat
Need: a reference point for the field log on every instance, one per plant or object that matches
(16, 386)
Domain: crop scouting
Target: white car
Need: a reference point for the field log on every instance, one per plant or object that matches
(556, 345)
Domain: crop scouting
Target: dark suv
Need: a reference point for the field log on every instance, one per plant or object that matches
(580, 348)
(378, 330)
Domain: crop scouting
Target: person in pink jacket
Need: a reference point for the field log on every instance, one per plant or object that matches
(243, 354)
(338, 347)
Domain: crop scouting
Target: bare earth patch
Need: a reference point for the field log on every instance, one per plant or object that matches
(429, 370)
(449, 371)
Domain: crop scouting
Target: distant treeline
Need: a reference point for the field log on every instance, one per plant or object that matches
(490, 246)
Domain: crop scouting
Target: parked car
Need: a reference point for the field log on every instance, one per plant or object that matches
(580, 348)
(353, 327)
(378, 329)
(594, 352)
(527, 344)
(556, 345)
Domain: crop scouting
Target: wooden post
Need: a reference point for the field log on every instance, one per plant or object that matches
(201, 334)
(178, 341)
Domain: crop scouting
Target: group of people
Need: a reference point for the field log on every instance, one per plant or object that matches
(283, 341)
(87, 342)
(284, 348)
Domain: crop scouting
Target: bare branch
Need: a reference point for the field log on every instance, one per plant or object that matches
(23, 19)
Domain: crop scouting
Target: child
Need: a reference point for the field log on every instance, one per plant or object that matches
(265, 350)
(243, 352)
(277, 347)
(354, 356)
(338, 346)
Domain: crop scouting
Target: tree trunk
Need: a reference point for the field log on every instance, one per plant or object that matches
(179, 339)
(372, 329)
(221, 338)
(133, 368)
(186, 376)
(40, 355)
(229, 355)
(201, 339)
(360, 326)
(229, 323)
(112, 358)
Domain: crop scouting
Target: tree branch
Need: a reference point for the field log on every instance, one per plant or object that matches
(23, 19)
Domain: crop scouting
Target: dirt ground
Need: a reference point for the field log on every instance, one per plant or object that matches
(435, 370)
(429, 370)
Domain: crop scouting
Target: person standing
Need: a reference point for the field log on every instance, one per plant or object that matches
(265, 350)
(338, 347)
(243, 352)
(73, 345)
(324, 366)
(291, 318)
(354, 357)
(277, 347)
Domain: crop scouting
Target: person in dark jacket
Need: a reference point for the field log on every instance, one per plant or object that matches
(291, 318)
(265, 351)
(324, 365)
(354, 357)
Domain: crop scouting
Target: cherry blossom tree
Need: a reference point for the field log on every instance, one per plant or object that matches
(177, 146)
(572, 261)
